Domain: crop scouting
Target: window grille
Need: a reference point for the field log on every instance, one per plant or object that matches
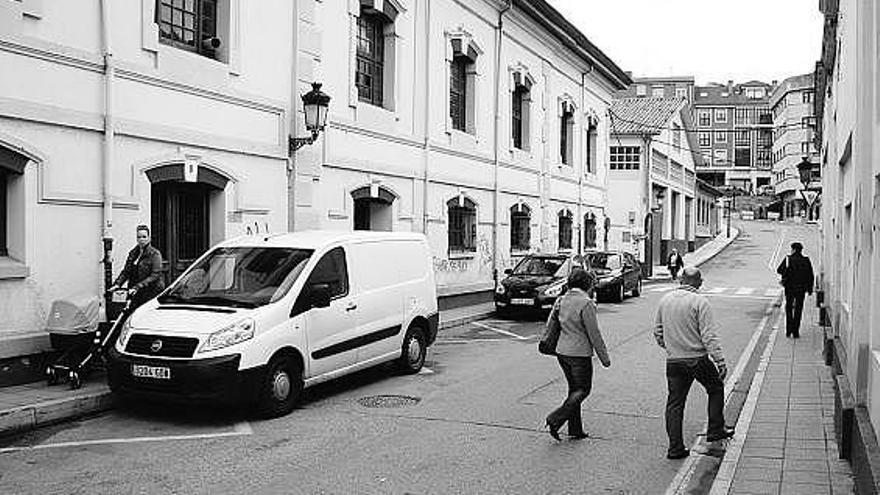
(186, 24)
(370, 58)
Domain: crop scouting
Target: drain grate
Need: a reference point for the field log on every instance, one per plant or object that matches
(388, 401)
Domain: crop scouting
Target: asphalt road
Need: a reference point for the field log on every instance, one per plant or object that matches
(470, 423)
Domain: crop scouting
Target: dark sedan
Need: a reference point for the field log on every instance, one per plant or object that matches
(618, 273)
(535, 282)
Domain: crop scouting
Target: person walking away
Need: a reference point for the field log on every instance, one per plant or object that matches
(676, 263)
(142, 271)
(579, 339)
(797, 279)
(686, 329)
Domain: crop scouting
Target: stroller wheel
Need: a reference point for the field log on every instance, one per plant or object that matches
(51, 376)
(75, 381)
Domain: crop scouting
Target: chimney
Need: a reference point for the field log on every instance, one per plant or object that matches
(774, 83)
(729, 86)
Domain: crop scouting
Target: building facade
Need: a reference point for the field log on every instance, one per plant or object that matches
(793, 141)
(482, 123)
(651, 178)
(848, 113)
(662, 87)
(127, 113)
(734, 128)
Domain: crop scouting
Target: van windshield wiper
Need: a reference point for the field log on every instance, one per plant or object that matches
(219, 301)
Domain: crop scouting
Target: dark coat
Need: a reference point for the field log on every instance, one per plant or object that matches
(143, 272)
(797, 273)
(675, 261)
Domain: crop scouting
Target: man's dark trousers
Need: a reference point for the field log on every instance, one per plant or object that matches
(794, 307)
(680, 374)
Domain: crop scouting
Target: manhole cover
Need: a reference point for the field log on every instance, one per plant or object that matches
(388, 401)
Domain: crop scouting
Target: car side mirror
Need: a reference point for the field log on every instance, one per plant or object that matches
(508, 271)
(319, 295)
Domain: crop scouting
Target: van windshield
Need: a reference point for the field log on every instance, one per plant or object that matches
(239, 277)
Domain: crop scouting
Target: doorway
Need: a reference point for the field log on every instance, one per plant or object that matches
(373, 209)
(180, 218)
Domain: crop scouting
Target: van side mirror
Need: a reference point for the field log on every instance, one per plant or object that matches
(319, 295)
(508, 271)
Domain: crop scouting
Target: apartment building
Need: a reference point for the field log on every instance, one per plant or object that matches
(483, 124)
(793, 141)
(734, 127)
(114, 114)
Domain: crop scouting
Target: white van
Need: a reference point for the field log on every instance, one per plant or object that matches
(258, 318)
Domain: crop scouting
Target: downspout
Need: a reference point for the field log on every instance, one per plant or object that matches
(649, 195)
(583, 171)
(107, 155)
(426, 182)
(495, 162)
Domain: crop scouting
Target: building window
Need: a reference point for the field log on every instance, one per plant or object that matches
(566, 133)
(765, 138)
(681, 93)
(462, 214)
(754, 93)
(705, 139)
(657, 92)
(742, 116)
(720, 158)
(519, 114)
(458, 92)
(742, 138)
(625, 157)
(742, 157)
(591, 154)
(565, 228)
(676, 136)
(590, 230)
(806, 147)
(765, 116)
(720, 137)
(720, 115)
(520, 231)
(370, 75)
(641, 90)
(807, 97)
(704, 118)
(189, 24)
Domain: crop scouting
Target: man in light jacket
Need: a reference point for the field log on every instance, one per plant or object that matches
(685, 327)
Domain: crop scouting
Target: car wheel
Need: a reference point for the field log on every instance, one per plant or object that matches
(638, 290)
(412, 354)
(618, 296)
(280, 387)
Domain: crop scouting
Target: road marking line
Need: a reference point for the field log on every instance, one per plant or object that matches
(659, 289)
(727, 469)
(773, 292)
(239, 431)
(776, 251)
(502, 332)
(467, 341)
(744, 291)
(686, 471)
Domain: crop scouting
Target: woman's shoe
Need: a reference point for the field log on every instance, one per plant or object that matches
(554, 430)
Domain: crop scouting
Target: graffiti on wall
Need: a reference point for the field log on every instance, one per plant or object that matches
(256, 229)
(443, 265)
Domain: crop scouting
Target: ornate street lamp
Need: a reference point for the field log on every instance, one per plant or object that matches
(315, 106)
(805, 173)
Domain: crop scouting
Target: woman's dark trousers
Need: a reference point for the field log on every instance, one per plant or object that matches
(579, 375)
(794, 307)
(680, 374)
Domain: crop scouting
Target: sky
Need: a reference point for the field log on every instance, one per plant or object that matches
(712, 40)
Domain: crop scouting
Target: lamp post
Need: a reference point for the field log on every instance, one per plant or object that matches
(805, 172)
(315, 106)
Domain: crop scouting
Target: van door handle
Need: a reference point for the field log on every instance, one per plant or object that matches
(351, 307)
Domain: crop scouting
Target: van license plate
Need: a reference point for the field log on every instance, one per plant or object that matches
(522, 302)
(159, 372)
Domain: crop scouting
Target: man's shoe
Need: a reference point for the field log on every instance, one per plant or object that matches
(728, 432)
(678, 455)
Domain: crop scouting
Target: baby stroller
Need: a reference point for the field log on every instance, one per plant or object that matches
(73, 328)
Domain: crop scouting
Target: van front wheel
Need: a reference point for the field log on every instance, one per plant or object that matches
(280, 387)
(412, 356)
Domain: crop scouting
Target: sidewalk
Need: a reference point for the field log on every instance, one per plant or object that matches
(698, 257)
(785, 440)
(30, 406)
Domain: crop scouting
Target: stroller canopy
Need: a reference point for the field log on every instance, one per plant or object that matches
(74, 315)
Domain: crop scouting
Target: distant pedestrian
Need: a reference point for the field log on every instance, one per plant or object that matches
(675, 264)
(685, 327)
(142, 271)
(579, 338)
(797, 278)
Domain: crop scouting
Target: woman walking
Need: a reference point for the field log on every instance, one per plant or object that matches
(579, 338)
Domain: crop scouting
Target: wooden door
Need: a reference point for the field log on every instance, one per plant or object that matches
(180, 219)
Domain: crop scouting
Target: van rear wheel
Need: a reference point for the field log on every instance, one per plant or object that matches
(280, 387)
(412, 356)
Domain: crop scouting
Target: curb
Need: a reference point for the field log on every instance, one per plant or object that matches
(33, 416)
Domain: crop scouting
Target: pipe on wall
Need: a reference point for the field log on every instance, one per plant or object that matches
(107, 152)
(426, 179)
(495, 162)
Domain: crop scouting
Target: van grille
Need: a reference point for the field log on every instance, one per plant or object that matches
(143, 344)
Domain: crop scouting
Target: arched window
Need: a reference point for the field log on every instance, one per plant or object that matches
(590, 230)
(565, 227)
(520, 231)
(462, 227)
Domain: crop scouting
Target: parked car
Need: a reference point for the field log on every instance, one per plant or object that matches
(259, 318)
(618, 273)
(535, 282)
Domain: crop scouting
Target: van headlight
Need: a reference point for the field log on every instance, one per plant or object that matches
(124, 333)
(231, 335)
(555, 289)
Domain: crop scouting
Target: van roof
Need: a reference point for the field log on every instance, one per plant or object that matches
(317, 239)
